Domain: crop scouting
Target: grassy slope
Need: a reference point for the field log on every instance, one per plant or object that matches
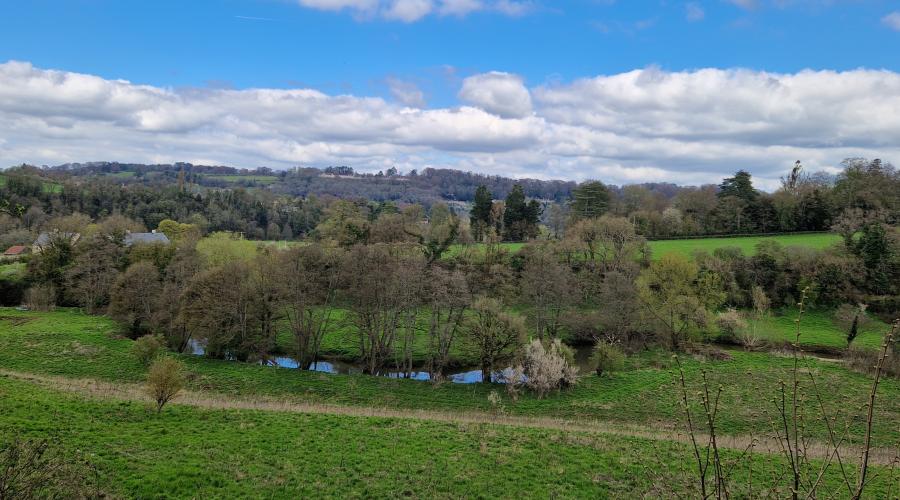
(819, 330)
(13, 271)
(70, 344)
(687, 247)
(190, 452)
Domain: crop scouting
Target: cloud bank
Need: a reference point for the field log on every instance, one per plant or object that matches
(644, 125)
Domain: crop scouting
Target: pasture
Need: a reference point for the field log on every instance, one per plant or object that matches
(687, 247)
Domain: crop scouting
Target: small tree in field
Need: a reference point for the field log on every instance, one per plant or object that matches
(549, 368)
(164, 381)
(147, 348)
(495, 334)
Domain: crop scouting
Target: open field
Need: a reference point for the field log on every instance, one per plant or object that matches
(12, 271)
(67, 343)
(819, 331)
(195, 452)
(249, 430)
(687, 247)
(258, 179)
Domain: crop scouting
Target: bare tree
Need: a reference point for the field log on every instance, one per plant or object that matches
(547, 286)
(447, 295)
(135, 295)
(309, 277)
(375, 280)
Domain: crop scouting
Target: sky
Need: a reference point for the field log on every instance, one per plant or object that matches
(617, 90)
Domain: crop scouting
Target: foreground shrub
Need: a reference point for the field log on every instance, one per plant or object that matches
(549, 368)
(164, 380)
(731, 322)
(607, 358)
(147, 348)
(38, 469)
(41, 298)
(865, 360)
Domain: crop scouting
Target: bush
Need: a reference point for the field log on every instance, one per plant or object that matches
(41, 298)
(164, 380)
(731, 323)
(607, 358)
(549, 368)
(147, 348)
(864, 361)
(38, 469)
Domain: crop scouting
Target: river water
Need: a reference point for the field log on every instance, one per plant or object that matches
(468, 375)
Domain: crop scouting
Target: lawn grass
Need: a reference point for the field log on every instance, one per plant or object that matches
(687, 247)
(14, 271)
(200, 453)
(819, 330)
(68, 343)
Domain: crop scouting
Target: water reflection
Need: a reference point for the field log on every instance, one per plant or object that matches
(464, 376)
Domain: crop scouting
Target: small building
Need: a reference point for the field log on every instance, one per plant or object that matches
(46, 239)
(15, 252)
(146, 238)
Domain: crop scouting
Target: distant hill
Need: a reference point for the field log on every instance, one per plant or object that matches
(426, 187)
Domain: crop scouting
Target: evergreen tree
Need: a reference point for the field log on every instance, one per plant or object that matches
(590, 200)
(516, 215)
(739, 186)
(480, 216)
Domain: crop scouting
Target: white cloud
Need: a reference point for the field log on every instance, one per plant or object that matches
(644, 125)
(407, 93)
(460, 7)
(409, 11)
(694, 12)
(892, 20)
(500, 93)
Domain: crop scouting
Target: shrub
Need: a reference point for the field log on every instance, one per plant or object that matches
(731, 322)
(147, 348)
(41, 298)
(607, 358)
(164, 380)
(37, 469)
(549, 368)
(864, 361)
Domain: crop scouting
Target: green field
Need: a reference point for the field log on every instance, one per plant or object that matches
(820, 330)
(71, 344)
(12, 271)
(687, 247)
(200, 451)
(257, 179)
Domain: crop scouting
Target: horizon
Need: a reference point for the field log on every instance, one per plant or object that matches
(679, 92)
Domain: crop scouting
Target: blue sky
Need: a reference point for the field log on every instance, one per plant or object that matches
(420, 53)
(281, 44)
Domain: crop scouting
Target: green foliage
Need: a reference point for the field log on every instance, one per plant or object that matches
(607, 358)
(147, 348)
(165, 379)
(589, 200)
(480, 215)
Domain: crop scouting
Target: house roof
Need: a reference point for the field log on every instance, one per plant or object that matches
(16, 250)
(43, 239)
(132, 238)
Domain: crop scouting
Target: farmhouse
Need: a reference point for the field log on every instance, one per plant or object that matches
(146, 238)
(44, 240)
(15, 252)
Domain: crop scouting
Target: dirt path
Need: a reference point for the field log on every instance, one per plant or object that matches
(99, 389)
